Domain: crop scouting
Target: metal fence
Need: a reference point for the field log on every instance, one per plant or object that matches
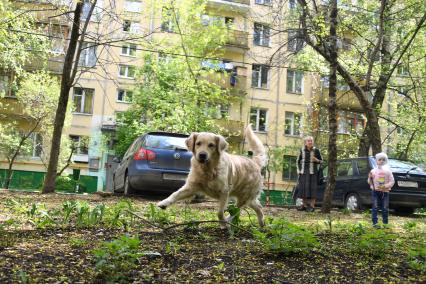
(29, 180)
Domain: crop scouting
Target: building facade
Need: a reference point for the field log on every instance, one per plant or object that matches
(276, 98)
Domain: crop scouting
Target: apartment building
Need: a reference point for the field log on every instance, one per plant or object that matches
(276, 99)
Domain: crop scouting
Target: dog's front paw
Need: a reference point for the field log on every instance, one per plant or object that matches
(162, 204)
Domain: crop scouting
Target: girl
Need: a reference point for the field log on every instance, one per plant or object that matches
(381, 181)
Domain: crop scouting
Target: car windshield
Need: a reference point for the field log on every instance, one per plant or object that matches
(165, 142)
(403, 165)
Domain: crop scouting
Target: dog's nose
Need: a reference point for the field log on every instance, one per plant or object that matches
(202, 157)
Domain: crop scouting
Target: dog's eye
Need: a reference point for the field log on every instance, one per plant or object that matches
(198, 143)
(211, 145)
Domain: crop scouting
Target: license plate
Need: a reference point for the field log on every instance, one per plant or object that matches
(403, 183)
(174, 177)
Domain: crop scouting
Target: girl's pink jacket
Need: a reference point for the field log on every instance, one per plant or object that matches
(382, 178)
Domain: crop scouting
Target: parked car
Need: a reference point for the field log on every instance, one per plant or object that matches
(353, 192)
(156, 161)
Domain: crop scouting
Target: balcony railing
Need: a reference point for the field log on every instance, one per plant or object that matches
(231, 128)
(244, 2)
(238, 39)
(235, 83)
(241, 6)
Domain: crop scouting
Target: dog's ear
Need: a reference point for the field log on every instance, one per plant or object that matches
(222, 145)
(190, 141)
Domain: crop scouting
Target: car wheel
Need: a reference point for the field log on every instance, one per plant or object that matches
(128, 189)
(404, 210)
(353, 202)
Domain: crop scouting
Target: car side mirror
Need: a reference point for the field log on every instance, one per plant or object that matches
(117, 159)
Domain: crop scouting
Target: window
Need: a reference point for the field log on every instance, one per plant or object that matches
(36, 145)
(294, 81)
(7, 87)
(294, 41)
(350, 122)
(132, 6)
(222, 111)
(342, 123)
(229, 21)
(402, 70)
(119, 117)
(131, 27)
(80, 144)
(88, 55)
(97, 11)
(263, 2)
(292, 123)
(126, 71)
(124, 96)
(363, 168)
(289, 168)
(259, 77)
(168, 24)
(57, 38)
(261, 34)
(344, 168)
(292, 4)
(86, 9)
(128, 49)
(83, 100)
(258, 119)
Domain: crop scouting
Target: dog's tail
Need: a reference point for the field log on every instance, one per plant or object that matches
(259, 152)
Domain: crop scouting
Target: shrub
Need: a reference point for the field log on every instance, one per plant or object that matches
(116, 259)
(417, 258)
(286, 238)
(376, 243)
(65, 184)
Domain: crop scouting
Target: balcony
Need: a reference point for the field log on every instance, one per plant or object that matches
(232, 129)
(241, 6)
(345, 98)
(235, 84)
(238, 39)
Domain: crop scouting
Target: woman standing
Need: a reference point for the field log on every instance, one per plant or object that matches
(307, 167)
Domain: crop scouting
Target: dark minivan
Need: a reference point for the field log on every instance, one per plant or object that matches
(353, 192)
(156, 161)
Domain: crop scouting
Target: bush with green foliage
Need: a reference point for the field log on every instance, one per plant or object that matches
(65, 184)
(376, 243)
(286, 238)
(417, 258)
(117, 258)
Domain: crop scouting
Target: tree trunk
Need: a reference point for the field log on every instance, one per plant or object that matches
(332, 112)
(364, 143)
(66, 83)
(9, 173)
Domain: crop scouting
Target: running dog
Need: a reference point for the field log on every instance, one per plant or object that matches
(221, 175)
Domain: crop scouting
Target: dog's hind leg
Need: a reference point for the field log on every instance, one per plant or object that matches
(257, 207)
(184, 192)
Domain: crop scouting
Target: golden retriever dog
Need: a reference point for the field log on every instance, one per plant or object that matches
(221, 175)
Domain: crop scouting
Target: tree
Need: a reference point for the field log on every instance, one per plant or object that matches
(68, 75)
(176, 89)
(377, 50)
(30, 118)
(332, 106)
(17, 50)
(104, 31)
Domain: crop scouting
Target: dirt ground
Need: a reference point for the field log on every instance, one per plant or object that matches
(193, 254)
